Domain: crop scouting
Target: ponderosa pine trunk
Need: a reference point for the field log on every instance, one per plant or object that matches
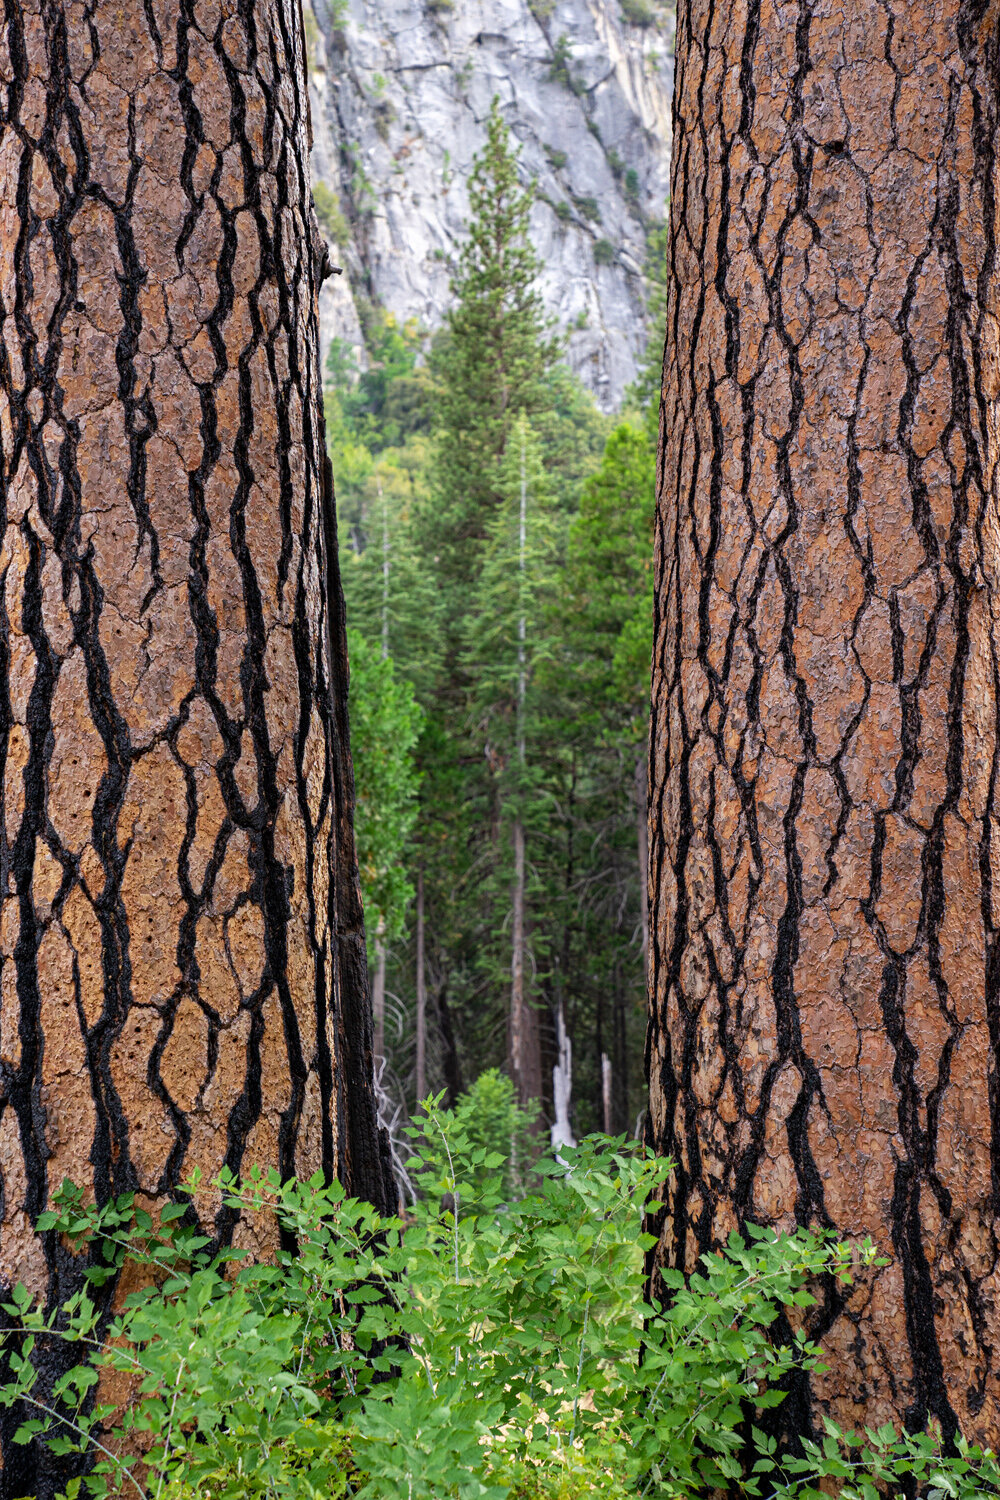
(182, 960)
(824, 852)
(642, 846)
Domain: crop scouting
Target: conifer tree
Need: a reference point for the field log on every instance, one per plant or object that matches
(594, 689)
(507, 634)
(512, 857)
(509, 616)
(492, 365)
(493, 358)
(385, 726)
(608, 598)
(392, 592)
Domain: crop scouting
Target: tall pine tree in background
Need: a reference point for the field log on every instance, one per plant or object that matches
(493, 368)
(508, 633)
(596, 688)
(501, 540)
(492, 362)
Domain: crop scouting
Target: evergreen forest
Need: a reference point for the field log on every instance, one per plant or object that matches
(496, 542)
(499, 916)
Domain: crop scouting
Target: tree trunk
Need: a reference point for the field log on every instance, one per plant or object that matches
(620, 1054)
(182, 962)
(421, 1018)
(450, 1064)
(518, 1039)
(561, 1132)
(378, 1001)
(525, 1043)
(642, 849)
(825, 1016)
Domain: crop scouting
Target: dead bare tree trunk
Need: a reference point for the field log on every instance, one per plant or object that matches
(378, 996)
(562, 1083)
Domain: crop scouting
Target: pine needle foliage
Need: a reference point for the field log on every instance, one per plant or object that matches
(492, 361)
(508, 628)
(385, 725)
(607, 598)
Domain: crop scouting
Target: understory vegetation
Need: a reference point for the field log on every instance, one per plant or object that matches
(498, 1341)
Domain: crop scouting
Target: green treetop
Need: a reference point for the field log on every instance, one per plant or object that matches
(509, 628)
(392, 595)
(607, 604)
(493, 357)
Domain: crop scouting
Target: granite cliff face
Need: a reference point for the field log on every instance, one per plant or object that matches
(400, 90)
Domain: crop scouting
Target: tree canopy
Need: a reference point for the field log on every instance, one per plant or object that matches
(500, 549)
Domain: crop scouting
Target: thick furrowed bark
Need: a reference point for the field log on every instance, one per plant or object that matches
(825, 1022)
(182, 956)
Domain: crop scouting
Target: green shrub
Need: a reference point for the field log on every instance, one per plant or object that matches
(486, 1125)
(559, 68)
(385, 113)
(490, 1350)
(604, 253)
(563, 211)
(557, 159)
(329, 213)
(638, 12)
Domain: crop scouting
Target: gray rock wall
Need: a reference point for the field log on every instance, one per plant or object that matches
(400, 93)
